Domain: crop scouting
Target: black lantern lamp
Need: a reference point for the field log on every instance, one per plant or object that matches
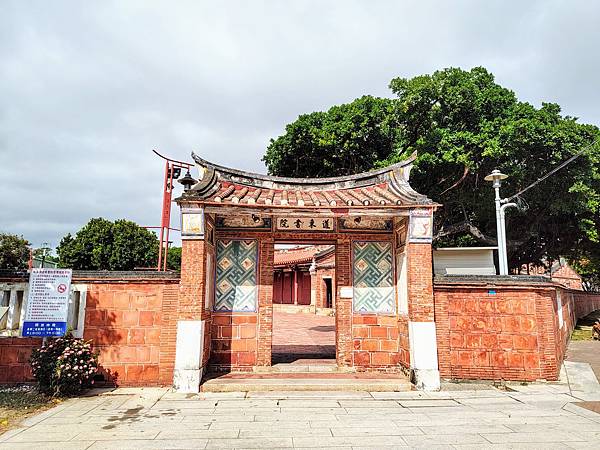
(187, 181)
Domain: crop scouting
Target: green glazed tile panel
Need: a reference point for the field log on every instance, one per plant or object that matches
(236, 276)
(373, 277)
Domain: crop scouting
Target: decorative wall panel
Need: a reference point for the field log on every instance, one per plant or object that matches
(236, 288)
(373, 277)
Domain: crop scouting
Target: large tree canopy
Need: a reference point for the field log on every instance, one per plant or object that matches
(105, 245)
(14, 252)
(462, 126)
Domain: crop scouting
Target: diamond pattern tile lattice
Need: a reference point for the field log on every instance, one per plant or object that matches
(373, 277)
(236, 276)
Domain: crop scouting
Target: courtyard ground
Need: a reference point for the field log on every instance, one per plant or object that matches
(535, 416)
(302, 336)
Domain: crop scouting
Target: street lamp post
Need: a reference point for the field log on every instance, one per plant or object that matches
(496, 178)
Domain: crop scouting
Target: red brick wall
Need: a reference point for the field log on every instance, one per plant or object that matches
(168, 333)
(513, 334)
(192, 303)
(125, 322)
(343, 308)
(568, 277)
(321, 288)
(403, 342)
(328, 259)
(585, 303)
(234, 341)
(375, 342)
(265, 301)
(489, 336)
(420, 282)
(14, 359)
(575, 304)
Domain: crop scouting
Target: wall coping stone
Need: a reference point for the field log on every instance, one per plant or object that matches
(102, 276)
(494, 280)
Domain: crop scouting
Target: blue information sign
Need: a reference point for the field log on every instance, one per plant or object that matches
(47, 303)
(44, 329)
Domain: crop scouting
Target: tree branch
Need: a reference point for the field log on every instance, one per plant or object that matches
(464, 175)
(468, 227)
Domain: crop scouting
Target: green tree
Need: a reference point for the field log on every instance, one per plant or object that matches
(14, 252)
(462, 125)
(344, 140)
(174, 258)
(105, 245)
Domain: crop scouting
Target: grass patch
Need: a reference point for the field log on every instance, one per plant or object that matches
(582, 333)
(583, 328)
(18, 403)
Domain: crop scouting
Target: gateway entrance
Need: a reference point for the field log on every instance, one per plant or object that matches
(232, 287)
(303, 321)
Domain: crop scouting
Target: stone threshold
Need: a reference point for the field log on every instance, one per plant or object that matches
(364, 382)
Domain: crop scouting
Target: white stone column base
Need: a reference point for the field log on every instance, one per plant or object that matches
(426, 379)
(423, 356)
(188, 356)
(187, 380)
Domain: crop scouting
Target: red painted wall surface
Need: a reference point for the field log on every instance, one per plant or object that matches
(129, 326)
(234, 341)
(376, 343)
(506, 332)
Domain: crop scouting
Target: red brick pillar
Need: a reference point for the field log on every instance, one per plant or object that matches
(265, 302)
(343, 310)
(193, 331)
(421, 326)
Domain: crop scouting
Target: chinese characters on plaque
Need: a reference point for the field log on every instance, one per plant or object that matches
(47, 304)
(304, 224)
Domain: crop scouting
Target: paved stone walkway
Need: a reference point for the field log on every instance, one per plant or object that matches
(535, 416)
(302, 336)
(585, 351)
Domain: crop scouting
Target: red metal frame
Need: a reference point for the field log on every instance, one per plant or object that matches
(165, 221)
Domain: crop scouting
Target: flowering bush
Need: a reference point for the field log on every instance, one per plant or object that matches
(64, 366)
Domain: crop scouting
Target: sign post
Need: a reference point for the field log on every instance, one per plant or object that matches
(48, 302)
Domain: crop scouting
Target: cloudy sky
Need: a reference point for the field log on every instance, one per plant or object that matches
(88, 89)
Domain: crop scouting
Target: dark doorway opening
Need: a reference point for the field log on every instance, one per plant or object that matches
(328, 292)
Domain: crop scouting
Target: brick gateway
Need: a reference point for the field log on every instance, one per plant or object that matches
(391, 315)
(381, 232)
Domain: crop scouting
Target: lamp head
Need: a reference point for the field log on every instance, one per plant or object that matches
(187, 181)
(496, 177)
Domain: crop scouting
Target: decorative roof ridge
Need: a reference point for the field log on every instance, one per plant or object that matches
(302, 255)
(325, 251)
(387, 187)
(401, 171)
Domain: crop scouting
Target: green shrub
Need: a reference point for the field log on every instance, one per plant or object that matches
(64, 366)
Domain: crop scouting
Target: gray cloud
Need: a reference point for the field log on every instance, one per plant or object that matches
(87, 89)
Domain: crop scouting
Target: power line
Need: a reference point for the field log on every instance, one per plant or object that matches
(553, 171)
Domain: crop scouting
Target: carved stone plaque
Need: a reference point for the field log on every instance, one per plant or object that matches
(366, 223)
(244, 221)
(304, 223)
(192, 223)
(420, 226)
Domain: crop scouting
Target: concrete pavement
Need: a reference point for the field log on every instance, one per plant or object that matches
(530, 416)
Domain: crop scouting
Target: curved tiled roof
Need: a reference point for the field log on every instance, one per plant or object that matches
(387, 187)
(301, 255)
